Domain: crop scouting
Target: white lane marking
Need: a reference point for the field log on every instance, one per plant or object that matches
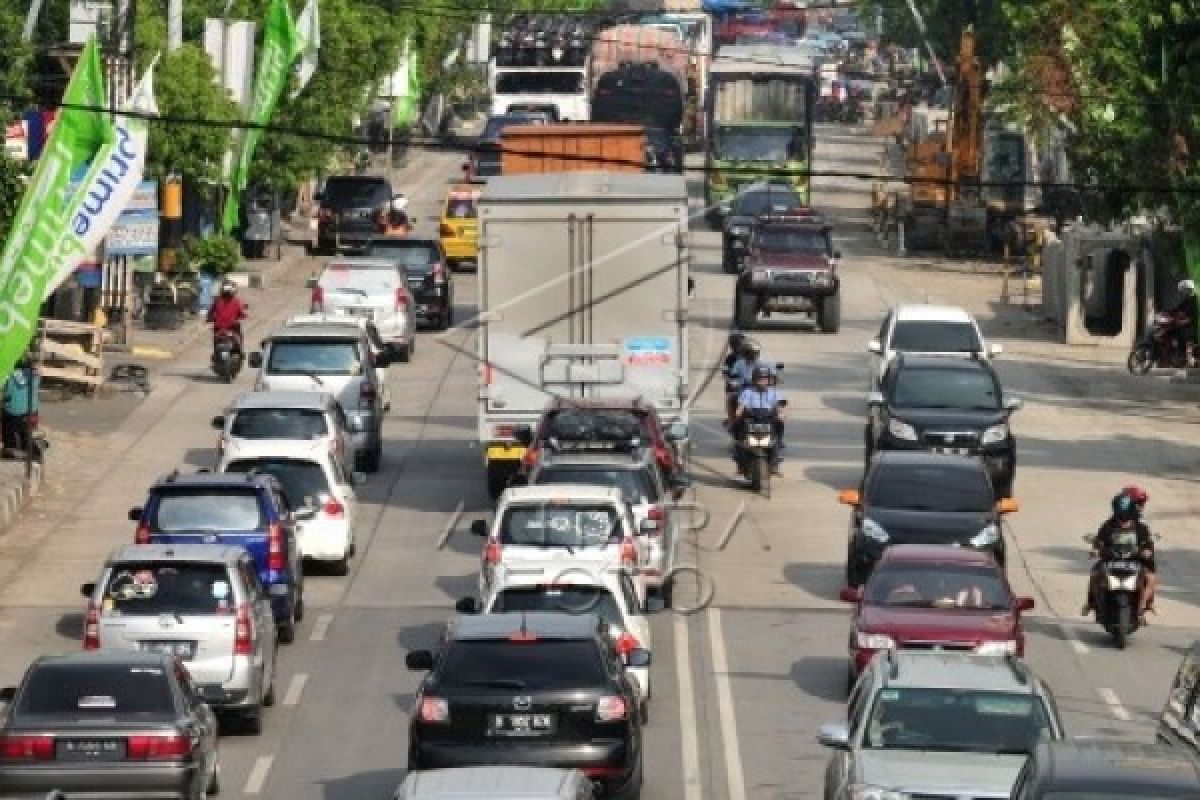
(321, 627)
(1114, 704)
(451, 525)
(258, 775)
(1079, 647)
(733, 756)
(687, 711)
(295, 689)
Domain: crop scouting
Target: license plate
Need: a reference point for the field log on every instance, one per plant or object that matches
(499, 452)
(90, 749)
(953, 451)
(184, 650)
(367, 313)
(1130, 566)
(521, 724)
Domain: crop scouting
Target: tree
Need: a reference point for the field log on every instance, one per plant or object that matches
(16, 67)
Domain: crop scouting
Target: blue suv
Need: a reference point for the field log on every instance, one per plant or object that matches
(244, 510)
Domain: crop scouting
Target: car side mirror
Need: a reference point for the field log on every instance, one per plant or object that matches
(1025, 604)
(1012, 404)
(311, 282)
(218, 423)
(419, 660)
(87, 590)
(1007, 505)
(467, 605)
(995, 349)
(638, 658)
(384, 359)
(524, 435)
(254, 360)
(850, 497)
(479, 528)
(358, 478)
(135, 514)
(874, 398)
(851, 594)
(8, 694)
(677, 432)
(836, 736)
(875, 346)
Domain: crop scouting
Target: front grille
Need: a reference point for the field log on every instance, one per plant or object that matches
(951, 438)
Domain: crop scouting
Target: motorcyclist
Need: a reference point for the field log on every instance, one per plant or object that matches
(736, 340)
(1188, 309)
(226, 314)
(1126, 517)
(397, 217)
(740, 373)
(762, 396)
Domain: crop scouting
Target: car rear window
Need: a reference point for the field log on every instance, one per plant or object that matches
(635, 483)
(800, 242)
(907, 487)
(941, 586)
(158, 587)
(354, 192)
(460, 208)
(315, 357)
(915, 336)
(533, 666)
(560, 526)
(208, 510)
(278, 423)
(563, 599)
(304, 482)
(356, 279)
(761, 201)
(592, 425)
(96, 688)
(957, 720)
(415, 257)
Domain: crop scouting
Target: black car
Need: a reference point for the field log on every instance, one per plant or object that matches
(945, 405)
(116, 724)
(530, 689)
(922, 498)
(752, 202)
(486, 160)
(1107, 770)
(429, 277)
(352, 211)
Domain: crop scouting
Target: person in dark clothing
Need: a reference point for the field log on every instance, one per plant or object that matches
(1189, 308)
(1126, 518)
(20, 405)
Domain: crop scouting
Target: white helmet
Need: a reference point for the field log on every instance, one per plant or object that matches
(1187, 286)
(400, 203)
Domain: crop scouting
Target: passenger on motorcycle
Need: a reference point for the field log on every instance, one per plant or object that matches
(737, 340)
(227, 313)
(1188, 308)
(762, 396)
(1126, 516)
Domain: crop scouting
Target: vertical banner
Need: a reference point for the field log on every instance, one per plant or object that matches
(27, 266)
(308, 33)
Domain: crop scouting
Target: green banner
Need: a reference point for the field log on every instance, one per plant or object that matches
(280, 48)
(28, 263)
(407, 106)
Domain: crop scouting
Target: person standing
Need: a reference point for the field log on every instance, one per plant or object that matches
(20, 404)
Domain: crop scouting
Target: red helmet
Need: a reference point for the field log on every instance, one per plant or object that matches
(1137, 494)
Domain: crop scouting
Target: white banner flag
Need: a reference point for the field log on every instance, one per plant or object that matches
(308, 31)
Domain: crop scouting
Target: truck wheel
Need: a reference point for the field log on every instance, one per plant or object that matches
(498, 477)
(728, 261)
(829, 313)
(745, 309)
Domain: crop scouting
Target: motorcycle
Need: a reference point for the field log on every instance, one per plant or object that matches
(756, 449)
(1159, 347)
(1121, 580)
(226, 358)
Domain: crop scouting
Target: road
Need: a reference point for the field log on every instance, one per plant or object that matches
(741, 687)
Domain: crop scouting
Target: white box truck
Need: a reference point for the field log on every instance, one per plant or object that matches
(584, 288)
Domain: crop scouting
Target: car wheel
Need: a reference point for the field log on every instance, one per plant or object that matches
(214, 780)
(745, 309)
(341, 567)
(644, 712)
(252, 720)
(369, 461)
(287, 631)
(728, 261)
(829, 313)
(444, 320)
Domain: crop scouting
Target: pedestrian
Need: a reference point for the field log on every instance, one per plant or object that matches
(20, 405)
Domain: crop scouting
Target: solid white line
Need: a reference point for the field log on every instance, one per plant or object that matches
(258, 775)
(687, 711)
(733, 757)
(295, 689)
(321, 627)
(1079, 647)
(1114, 704)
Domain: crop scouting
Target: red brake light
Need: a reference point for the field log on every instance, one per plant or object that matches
(26, 748)
(317, 304)
(611, 709)
(628, 552)
(171, 747)
(91, 628)
(243, 641)
(434, 709)
(275, 556)
(627, 643)
(143, 533)
(401, 298)
(491, 553)
(663, 456)
(530, 459)
(333, 508)
(502, 431)
(523, 636)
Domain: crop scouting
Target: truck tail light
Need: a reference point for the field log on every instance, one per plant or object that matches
(276, 562)
(16, 747)
(169, 747)
(91, 628)
(243, 637)
(333, 508)
(611, 709)
(317, 303)
(142, 535)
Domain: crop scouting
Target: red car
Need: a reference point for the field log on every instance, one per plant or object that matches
(935, 597)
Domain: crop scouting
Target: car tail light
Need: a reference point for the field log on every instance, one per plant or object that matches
(530, 459)
(627, 643)
(333, 508)
(158, 747)
(434, 709)
(663, 456)
(488, 374)
(628, 552)
(445, 230)
(243, 632)
(491, 552)
(366, 396)
(317, 303)
(658, 516)
(15, 747)
(275, 556)
(601, 772)
(142, 536)
(91, 628)
(611, 709)
(402, 298)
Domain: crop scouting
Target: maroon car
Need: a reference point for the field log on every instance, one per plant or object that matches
(934, 597)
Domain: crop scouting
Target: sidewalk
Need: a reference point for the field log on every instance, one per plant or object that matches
(15, 490)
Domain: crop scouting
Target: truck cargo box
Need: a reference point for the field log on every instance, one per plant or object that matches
(533, 149)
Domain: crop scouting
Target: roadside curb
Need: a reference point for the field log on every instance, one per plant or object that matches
(16, 496)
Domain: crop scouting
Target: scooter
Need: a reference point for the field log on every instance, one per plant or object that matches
(756, 449)
(1159, 347)
(1122, 577)
(226, 358)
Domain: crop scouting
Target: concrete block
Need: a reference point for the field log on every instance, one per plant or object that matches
(16, 491)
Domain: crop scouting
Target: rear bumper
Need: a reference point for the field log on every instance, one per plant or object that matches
(460, 250)
(117, 781)
(230, 696)
(327, 541)
(609, 763)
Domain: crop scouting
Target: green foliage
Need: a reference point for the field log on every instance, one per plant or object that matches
(17, 61)
(12, 189)
(215, 255)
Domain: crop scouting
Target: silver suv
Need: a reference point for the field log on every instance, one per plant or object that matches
(939, 726)
(201, 603)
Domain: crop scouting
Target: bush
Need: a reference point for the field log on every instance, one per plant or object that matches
(213, 255)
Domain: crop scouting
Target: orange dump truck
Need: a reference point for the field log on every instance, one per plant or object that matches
(582, 147)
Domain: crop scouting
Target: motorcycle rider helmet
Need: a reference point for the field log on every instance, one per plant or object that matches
(750, 350)
(1124, 508)
(1187, 286)
(229, 289)
(400, 204)
(1137, 494)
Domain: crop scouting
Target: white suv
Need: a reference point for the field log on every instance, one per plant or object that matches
(373, 289)
(928, 330)
(256, 417)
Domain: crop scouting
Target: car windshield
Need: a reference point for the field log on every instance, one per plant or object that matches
(353, 192)
(635, 483)
(304, 482)
(560, 526)
(152, 588)
(538, 82)
(956, 720)
(934, 337)
(415, 257)
(357, 279)
(763, 201)
(799, 242)
(314, 357)
(208, 510)
(460, 208)
(966, 389)
(757, 143)
(278, 423)
(534, 666)
(941, 586)
(96, 688)
(565, 599)
(907, 487)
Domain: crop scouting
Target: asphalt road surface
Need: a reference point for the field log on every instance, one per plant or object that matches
(741, 687)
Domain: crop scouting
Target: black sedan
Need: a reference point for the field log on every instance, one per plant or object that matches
(120, 724)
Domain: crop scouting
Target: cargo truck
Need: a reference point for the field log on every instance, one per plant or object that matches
(640, 76)
(583, 294)
(526, 149)
(760, 122)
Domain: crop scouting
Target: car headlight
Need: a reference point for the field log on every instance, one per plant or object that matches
(988, 536)
(994, 434)
(873, 641)
(1007, 647)
(902, 430)
(872, 530)
(863, 791)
